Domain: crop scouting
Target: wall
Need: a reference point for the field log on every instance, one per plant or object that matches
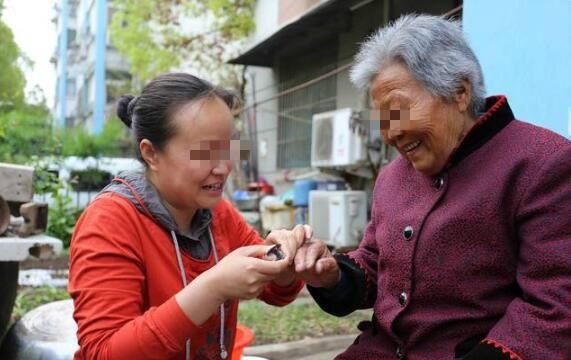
(264, 80)
(364, 21)
(525, 49)
(291, 9)
(61, 103)
(266, 20)
(100, 65)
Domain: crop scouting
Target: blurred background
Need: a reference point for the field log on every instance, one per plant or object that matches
(64, 64)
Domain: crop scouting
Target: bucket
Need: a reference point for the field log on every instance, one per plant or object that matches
(244, 337)
(301, 189)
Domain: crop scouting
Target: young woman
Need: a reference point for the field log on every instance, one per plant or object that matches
(159, 259)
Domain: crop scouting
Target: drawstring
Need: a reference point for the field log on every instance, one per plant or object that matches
(184, 283)
(223, 352)
(179, 259)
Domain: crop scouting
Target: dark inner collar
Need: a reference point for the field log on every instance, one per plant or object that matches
(199, 224)
(497, 116)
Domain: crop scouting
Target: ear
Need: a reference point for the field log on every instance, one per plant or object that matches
(463, 96)
(149, 153)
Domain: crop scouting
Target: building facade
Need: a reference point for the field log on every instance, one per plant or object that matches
(87, 66)
(298, 64)
(299, 56)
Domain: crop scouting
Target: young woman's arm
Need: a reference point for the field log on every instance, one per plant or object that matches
(107, 283)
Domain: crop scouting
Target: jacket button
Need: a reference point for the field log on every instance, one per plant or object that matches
(403, 298)
(438, 182)
(400, 353)
(407, 232)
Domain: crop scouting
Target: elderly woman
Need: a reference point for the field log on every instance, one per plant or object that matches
(468, 252)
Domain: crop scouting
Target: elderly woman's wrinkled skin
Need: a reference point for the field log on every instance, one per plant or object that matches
(424, 128)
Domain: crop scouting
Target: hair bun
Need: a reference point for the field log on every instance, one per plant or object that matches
(125, 108)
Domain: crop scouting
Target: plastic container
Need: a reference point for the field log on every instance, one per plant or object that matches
(244, 338)
(277, 217)
(245, 200)
(301, 189)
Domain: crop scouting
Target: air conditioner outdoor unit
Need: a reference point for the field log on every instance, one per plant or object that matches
(338, 217)
(334, 143)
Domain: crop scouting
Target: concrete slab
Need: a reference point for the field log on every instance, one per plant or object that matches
(320, 348)
(18, 249)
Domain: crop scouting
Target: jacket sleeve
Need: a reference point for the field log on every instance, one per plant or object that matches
(537, 325)
(107, 283)
(273, 294)
(357, 286)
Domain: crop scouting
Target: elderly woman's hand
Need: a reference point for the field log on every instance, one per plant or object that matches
(315, 265)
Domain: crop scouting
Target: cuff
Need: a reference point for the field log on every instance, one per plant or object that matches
(279, 295)
(348, 295)
(341, 290)
(490, 349)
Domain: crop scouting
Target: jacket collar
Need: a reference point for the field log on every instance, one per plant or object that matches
(497, 116)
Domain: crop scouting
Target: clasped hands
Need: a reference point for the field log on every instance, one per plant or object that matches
(244, 274)
(308, 258)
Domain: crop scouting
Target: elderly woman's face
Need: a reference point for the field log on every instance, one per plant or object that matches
(424, 128)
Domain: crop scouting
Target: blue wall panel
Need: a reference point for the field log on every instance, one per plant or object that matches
(525, 51)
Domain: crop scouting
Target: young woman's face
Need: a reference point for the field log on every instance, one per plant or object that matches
(192, 168)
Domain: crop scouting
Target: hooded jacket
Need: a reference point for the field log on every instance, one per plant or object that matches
(125, 271)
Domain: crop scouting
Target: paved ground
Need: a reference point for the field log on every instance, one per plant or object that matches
(325, 348)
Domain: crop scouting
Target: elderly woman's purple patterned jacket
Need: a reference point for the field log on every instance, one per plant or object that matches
(474, 263)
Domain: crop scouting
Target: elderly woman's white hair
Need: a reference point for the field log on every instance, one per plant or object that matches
(433, 49)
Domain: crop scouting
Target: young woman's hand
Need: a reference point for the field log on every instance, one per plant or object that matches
(315, 265)
(242, 274)
(290, 240)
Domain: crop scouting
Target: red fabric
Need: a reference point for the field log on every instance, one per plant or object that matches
(504, 349)
(124, 275)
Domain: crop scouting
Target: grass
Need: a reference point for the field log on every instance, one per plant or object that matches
(295, 321)
(270, 324)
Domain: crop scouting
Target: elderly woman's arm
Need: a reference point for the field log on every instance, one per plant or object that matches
(537, 325)
(356, 288)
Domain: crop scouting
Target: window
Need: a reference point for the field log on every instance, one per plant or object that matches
(296, 109)
(70, 37)
(71, 90)
(69, 122)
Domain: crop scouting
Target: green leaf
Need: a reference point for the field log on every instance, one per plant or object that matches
(154, 35)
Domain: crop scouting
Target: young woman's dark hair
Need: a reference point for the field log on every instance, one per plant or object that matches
(149, 115)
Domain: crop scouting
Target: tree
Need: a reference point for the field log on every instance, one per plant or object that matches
(25, 132)
(12, 81)
(157, 36)
(112, 141)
